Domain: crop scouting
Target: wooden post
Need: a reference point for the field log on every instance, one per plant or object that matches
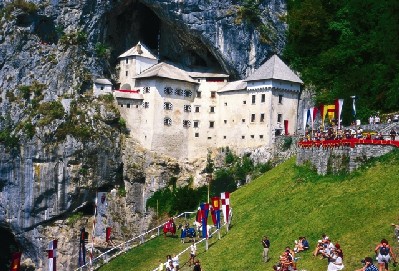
(206, 244)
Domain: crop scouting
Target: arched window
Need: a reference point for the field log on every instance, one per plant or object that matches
(179, 92)
(188, 93)
(186, 123)
(168, 90)
(187, 108)
(167, 121)
(167, 106)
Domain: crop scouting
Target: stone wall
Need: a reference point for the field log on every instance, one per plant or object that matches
(339, 159)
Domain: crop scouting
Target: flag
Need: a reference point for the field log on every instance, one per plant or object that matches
(198, 217)
(205, 212)
(305, 119)
(225, 197)
(15, 261)
(354, 98)
(330, 111)
(338, 111)
(216, 211)
(52, 255)
(82, 247)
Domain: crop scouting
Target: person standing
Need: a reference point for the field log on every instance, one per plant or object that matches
(197, 266)
(392, 134)
(266, 246)
(193, 252)
(384, 253)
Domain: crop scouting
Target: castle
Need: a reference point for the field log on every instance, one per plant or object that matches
(184, 112)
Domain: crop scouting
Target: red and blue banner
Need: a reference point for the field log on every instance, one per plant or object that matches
(82, 248)
(216, 211)
(225, 197)
(205, 212)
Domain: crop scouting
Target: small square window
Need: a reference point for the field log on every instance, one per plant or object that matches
(279, 117)
(198, 94)
(196, 134)
(211, 124)
(243, 120)
(209, 137)
(121, 105)
(212, 109)
(252, 117)
(102, 88)
(197, 109)
(260, 136)
(262, 117)
(225, 104)
(196, 124)
(244, 102)
(243, 137)
(252, 136)
(213, 94)
(225, 121)
(224, 137)
(128, 105)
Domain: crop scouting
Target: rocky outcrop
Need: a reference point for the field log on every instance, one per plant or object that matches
(58, 143)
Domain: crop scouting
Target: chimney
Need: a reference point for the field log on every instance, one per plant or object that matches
(138, 48)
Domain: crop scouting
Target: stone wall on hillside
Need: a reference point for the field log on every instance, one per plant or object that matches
(339, 159)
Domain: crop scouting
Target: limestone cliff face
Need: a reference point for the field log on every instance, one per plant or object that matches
(58, 143)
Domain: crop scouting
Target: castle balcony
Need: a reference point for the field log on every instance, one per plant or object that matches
(128, 94)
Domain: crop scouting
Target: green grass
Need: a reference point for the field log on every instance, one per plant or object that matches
(355, 210)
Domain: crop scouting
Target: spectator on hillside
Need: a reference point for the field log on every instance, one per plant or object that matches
(301, 245)
(193, 253)
(384, 253)
(377, 120)
(392, 134)
(321, 245)
(368, 265)
(266, 245)
(371, 120)
(160, 266)
(336, 264)
(197, 266)
(170, 267)
(175, 260)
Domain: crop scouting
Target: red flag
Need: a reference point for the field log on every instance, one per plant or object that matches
(225, 197)
(198, 218)
(52, 255)
(15, 261)
(108, 234)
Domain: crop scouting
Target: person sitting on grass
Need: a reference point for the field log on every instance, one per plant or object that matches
(336, 263)
(301, 245)
(320, 245)
(368, 265)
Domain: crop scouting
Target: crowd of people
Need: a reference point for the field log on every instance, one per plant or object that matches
(327, 250)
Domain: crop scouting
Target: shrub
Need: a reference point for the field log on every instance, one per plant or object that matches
(74, 218)
(102, 50)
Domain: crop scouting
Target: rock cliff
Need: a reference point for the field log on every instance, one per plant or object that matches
(58, 143)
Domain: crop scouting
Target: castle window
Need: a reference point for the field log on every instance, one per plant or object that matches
(263, 98)
(260, 136)
(279, 117)
(168, 90)
(252, 136)
(187, 108)
(146, 104)
(167, 121)
(225, 121)
(188, 93)
(224, 137)
(127, 73)
(127, 60)
(167, 106)
(196, 124)
(146, 89)
(128, 105)
(253, 99)
(179, 92)
(186, 123)
(243, 120)
(262, 117)
(213, 94)
(121, 105)
(197, 109)
(280, 99)
(209, 137)
(252, 117)
(244, 102)
(242, 137)
(102, 88)
(198, 94)
(211, 124)
(196, 134)
(212, 109)
(225, 104)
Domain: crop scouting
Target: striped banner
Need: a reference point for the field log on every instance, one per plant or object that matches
(52, 255)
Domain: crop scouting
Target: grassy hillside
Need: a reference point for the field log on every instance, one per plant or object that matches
(355, 210)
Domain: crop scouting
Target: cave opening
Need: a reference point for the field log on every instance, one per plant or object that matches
(8, 246)
(133, 21)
